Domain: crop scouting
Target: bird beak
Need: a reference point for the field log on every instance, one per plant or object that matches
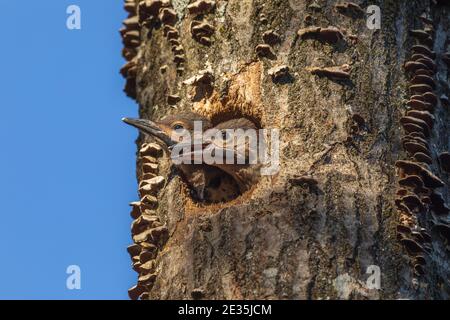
(150, 128)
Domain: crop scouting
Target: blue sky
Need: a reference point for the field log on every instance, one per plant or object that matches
(67, 163)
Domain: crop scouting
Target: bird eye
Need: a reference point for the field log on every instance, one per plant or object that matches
(177, 127)
(225, 135)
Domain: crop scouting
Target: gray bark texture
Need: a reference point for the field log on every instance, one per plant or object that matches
(341, 95)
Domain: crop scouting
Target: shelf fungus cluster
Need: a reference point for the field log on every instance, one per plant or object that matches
(201, 29)
(421, 207)
(148, 14)
(161, 12)
(270, 39)
(131, 38)
(149, 233)
(330, 35)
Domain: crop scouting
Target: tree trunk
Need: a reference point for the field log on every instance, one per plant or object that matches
(336, 206)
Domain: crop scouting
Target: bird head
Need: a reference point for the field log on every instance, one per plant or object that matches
(169, 130)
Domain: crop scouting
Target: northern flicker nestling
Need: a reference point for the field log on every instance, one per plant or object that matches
(210, 183)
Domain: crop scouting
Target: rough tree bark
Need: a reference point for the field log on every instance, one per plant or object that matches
(311, 231)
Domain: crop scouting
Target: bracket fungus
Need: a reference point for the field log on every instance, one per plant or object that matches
(153, 7)
(178, 50)
(130, 87)
(338, 72)
(202, 32)
(152, 186)
(426, 18)
(130, 7)
(203, 77)
(405, 230)
(149, 159)
(422, 115)
(330, 35)
(414, 137)
(412, 247)
(412, 168)
(412, 181)
(168, 16)
(423, 49)
(413, 66)
(132, 38)
(420, 105)
(349, 8)
(271, 37)
(265, 51)
(147, 279)
(427, 61)
(144, 222)
(420, 88)
(149, 169)
(179, 59)
(134, 250)
(174, 42)
(129, 53)
(129, 71)
(173, 99)
(430, 97)
(197, 294)
(278, 73)
(171, 32)
(413, 124)
(413, 203)
(143, 236)
(135, 292)
(149, 253)
(149, 202)
(131, 23)
(423, 157)
(401, 193)
(201, 7)
(148, 267)
(420, 34)
(150, 149)
(406, 213)
(424, 72)
(135, 211)
(414, 147)
(423, 79)
(159, 234)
